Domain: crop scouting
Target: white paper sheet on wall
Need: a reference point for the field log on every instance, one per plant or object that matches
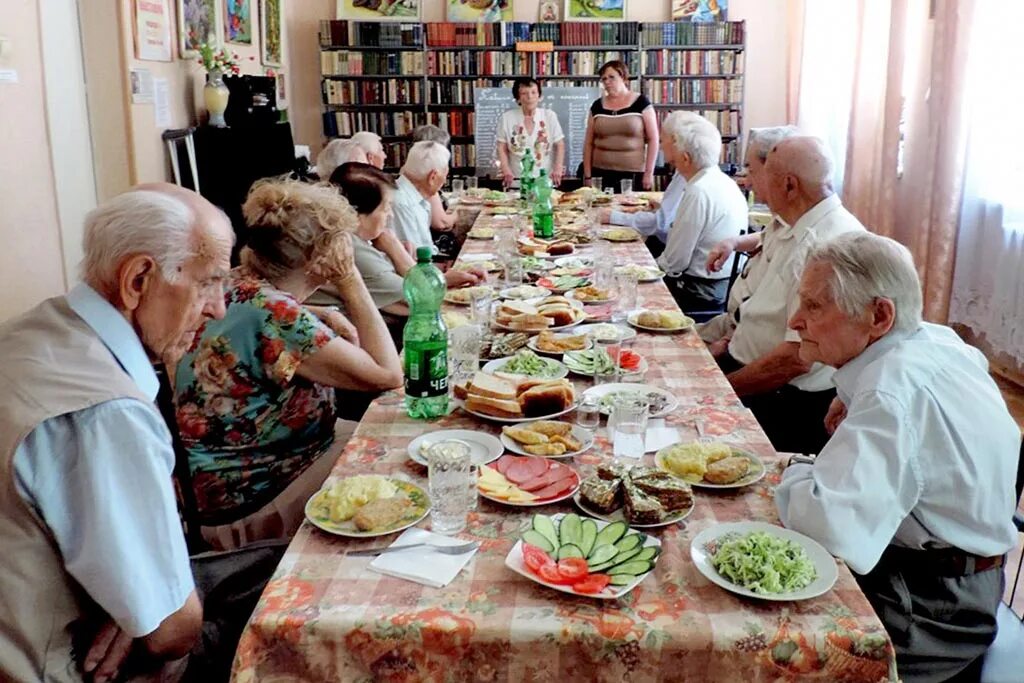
(162, 102)
(142, 86)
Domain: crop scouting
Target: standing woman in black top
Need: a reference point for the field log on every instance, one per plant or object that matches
(622, 133)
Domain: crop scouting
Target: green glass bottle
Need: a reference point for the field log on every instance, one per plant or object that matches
(526, 180)
(425, 340)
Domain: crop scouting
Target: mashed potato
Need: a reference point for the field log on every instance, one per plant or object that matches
(690, 460)
(345, 497)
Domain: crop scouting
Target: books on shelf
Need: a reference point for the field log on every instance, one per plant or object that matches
(461, 91)
(583, 62)
(695, 91)
(386, 91)
(477, 62)
(391, 124)
(727, 121)
(691, 62)
(334, 33)
(342, 33)
(346, 63)
(457, 123)
(501, 33)
(684, 33)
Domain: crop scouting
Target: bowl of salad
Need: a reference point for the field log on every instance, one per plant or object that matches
(528, 364)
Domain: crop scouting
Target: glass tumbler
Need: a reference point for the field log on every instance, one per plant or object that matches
(610, 347)
(626, 286)
(450, 476)
(627, 426)
(471, 182)
(588, 413)
(464, 352)
(626, 186)
(480, 307)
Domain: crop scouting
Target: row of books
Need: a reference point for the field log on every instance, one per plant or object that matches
(371, 63)
(341, 32)
(686, 33)
(677, 62)
(461, 92)
(389, 91)
(585, 62)
(346, 123)
(691, 91)
(463, 155)
(457, 123)
(587, 33)
(472, 63)
(476, 34)
(726, 121)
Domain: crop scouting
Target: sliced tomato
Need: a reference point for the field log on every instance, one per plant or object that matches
(534, 557)
(595, 583)
(629, 360)
(549, 572)
(573, 569)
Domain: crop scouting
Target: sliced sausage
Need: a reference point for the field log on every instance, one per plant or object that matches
(537, 483)
(559, 488)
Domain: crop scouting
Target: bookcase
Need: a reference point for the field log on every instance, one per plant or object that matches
(391, 77)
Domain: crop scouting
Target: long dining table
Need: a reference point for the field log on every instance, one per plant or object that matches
(325, 616)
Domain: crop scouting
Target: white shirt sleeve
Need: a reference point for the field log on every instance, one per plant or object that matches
(505, 126)
(101, 480)
(555, 128)
(691, 218)
(862, 485)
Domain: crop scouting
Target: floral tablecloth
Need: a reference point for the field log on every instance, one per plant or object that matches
(327, 617)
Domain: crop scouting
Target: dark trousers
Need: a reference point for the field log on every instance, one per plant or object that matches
(611, 179)
(940, 625)
(793, 420)
(697, 295)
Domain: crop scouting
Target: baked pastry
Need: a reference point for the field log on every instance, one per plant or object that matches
(727, 470)
(611, 470)
(601, 495)
(550, 427)
(524, 435)
(641, 508)
(550, 448)
(570, 442)
(381, 513)
(673, 494)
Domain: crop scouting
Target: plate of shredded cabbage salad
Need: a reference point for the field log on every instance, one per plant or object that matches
(764, 561)
(528, 364)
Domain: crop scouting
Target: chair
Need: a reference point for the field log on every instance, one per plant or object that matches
(173, 138)
(704, 316)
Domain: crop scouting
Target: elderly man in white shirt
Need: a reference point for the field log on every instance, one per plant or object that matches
(789, 396)
(337, 152)
(424, 173)
(915, 490)
(371, 146)
(653, 224)
(711, 209)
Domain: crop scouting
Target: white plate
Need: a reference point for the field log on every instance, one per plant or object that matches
(574, 262)
(619, 515)
(602, 390)
(348, 528)
(582, 317)
(650, 274)
(472, 236)
(514, 561)
(483, 447)
(624, 332)
(532, 345)
(534, 291)
(459, 403)
(584, 436)
(448, 298)
(754, 474)
(558, 367)
(823, 562)
(620, 235)
(571, 294)
(631, 319)
(640, 372)
(538, 503)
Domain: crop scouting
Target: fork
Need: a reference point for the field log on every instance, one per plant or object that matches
(443, 549)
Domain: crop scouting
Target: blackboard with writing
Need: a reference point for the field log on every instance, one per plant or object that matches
(572, 105)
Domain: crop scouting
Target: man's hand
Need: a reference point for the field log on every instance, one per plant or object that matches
(648, 181)
(557, 173)
(720, 254)
(604, 215)
(109, 649)
(836, 415)
(654, 204)
(463, 278)
(720, 347)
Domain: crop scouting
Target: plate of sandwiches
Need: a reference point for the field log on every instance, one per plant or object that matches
(641, 496)
(551, 313)
(547, 438)
(551, 343)
(534, 247)
(514, 399)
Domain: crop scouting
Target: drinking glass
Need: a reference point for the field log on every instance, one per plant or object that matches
(458, 185)
(464, 352)
(626, 185)
(513, 270)
(597, 183)
(628, 295)
(627, 426)
(604, 267)
(450, 479)
(471, 182)
(480, 308)
(610, 347)
(588, 413)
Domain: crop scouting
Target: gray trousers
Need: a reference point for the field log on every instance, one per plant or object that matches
(939, 625)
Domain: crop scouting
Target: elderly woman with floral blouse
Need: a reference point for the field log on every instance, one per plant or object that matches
(255, 393)
(529, 128)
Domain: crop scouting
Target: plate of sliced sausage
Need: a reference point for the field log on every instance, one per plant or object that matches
(527, 481)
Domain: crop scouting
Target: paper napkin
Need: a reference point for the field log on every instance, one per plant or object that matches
(423, 565)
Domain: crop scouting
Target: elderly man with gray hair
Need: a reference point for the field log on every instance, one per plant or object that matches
(336, 153)
(711, 209)
(371, 146)
(753, 345)
(423, 175)
(915, 490)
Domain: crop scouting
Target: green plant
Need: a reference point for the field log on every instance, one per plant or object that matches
(217, 60)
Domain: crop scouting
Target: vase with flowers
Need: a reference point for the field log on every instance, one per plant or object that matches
(218, 63)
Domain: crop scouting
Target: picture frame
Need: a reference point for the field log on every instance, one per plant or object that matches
(480, 10)
(547, 12)
(700, 11)
(238, 21)
(594, 10)
(271, 46)
(198, 22)
(151, 30)
(380, 10)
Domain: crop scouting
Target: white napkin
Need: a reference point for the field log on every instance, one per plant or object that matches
(476, 258)
(422, 565)
(659, 436)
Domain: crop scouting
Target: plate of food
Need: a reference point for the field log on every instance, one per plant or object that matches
(464, 296)
(547, 438)
(643, 273)
(367, 505)
(526, 363)
(502, 344)
(574, 262)
(513, 399)
(563, 283)
(764, 561)
(535, 263)
(524, 292)
(632, 200)
(526, 481)
(488, 265)
(551, 313)
(483, 447)
(595, 361)
(643, 497)
(481, 234)
(577, 235)
(607, 331)
(591, 295)
(586, 557)
(620, 235)
(660, 321)
(660, 401)
(548, 342)
(577, 272)
(711, 465)
(534, 247)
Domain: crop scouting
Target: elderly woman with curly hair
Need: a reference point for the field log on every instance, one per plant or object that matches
(255, 393)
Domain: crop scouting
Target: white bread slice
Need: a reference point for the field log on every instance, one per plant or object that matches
(489, 386)
(528, 323)
(516, 308)
(493, 406)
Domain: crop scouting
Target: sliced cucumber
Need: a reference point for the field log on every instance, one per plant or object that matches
(622, 579)
(648, 553)
(570, 530)
(633, 567)
(569, 550)
(538, 539)
(629, 542)
(543, 525)
(588, 536)
(611, 533)
(625, 556)
(601, 555)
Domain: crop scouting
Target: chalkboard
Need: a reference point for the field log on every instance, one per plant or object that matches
(572, 105)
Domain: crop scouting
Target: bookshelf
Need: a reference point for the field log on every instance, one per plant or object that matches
(391, 77)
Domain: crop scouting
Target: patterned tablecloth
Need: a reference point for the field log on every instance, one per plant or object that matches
(327, 617)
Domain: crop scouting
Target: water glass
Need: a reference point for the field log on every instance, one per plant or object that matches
(480, 307)
(597, 183)
(471, 182)
(458, 185)
(604, 266)
(514, 271)
(610, 347)
(626, 286)
(464, 352)
(506, 238)
(626, 185)
(627, 426)
(451, 479)
(588, 413)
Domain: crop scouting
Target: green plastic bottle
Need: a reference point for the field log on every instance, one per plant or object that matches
(425, 339)
(543, 209)
(527, 180)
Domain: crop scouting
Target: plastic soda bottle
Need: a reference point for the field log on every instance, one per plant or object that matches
(425, 340)
(527, 180)
(543, 210)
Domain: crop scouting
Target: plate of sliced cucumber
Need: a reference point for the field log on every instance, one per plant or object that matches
(585, 557)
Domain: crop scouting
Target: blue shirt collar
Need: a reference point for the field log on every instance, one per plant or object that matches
(117, 335)
(845, 378)
(405, 186)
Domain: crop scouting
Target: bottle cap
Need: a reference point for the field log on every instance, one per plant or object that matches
(424, 254)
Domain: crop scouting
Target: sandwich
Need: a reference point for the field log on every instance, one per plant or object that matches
(528, 322)
(495, 407)
(559, 314)
(484, 385)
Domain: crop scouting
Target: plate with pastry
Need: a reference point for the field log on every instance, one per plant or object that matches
(550, 250)
(464, 296)
(483, 447)
(640, 496)
(591, 295)
(512, 399)
(660, 321)
(527, 481)
(643, 273)
(547, 438)
(548, 342)
(620, 235)
(711, 465)
(367, 505)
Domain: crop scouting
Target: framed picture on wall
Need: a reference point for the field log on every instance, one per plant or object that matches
(380, 10)
(197, 23)
(270, 32)
(700, 10)
(238, 21)
(548, 11)
(479, 10)
(151, 30)
(595, 10)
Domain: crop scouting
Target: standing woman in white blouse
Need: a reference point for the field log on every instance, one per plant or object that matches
(528, 127)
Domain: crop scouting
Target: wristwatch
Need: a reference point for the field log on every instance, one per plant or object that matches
(802, 458)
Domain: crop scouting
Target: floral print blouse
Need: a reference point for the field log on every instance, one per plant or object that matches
(250, 424)
(547, 132)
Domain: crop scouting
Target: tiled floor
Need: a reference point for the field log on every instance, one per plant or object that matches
(1014, 395)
